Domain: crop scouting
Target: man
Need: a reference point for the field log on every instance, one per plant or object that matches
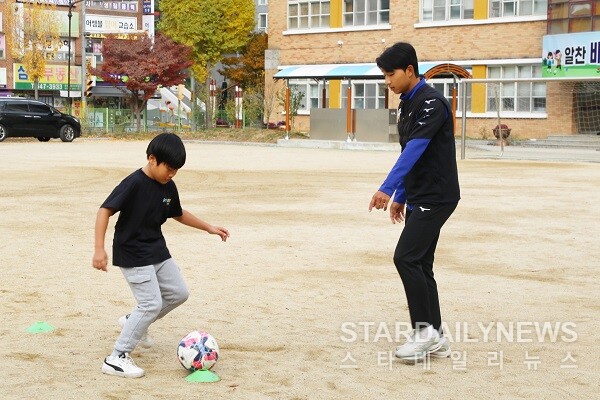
(424, 183)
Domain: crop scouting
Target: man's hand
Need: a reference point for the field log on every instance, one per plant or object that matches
(379, 201)
(397, 212)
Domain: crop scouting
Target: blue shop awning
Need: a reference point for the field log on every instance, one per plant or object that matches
(338, 71)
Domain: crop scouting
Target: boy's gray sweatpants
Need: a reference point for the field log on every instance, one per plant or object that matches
(158, 289)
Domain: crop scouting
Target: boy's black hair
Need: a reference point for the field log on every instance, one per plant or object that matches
(167, 148)
(399, 56)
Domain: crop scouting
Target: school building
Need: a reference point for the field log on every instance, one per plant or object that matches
(326, 50)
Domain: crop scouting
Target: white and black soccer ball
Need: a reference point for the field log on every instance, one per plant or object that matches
(198, 350)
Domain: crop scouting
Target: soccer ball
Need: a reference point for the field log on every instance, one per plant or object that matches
(198, 351)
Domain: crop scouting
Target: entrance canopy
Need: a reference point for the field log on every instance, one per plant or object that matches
(339, 71)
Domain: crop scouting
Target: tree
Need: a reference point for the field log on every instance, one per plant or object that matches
(248, 69)
(211, 28)
(296, 102)
(32, 36)
(142, 66)
(271, 95)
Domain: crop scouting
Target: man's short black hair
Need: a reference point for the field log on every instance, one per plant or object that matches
(399, 56)
(167, 148)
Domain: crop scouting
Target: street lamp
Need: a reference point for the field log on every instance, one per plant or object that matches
(70, 14)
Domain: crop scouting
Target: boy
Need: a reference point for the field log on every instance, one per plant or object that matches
(144, 200)
(425, 182)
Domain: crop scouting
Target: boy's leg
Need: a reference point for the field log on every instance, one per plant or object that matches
(173, 289)
(146, 290)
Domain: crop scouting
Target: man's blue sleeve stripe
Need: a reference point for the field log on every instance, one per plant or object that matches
(395, 180)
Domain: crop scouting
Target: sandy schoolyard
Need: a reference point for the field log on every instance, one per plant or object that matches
(303, 299)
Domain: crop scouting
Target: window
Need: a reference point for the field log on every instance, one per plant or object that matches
(94, 47)
(365, 95)
(307, 14)
(366, 12)
(312, 93)
(2, 46)
(262, 22)
(445, 10)
(444, 86)
(39, 108)
(569, 16)
(521, 97)
(17, 107)
(515, 8)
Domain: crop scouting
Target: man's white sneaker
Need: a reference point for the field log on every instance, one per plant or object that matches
(146, 341)
(444, 350)
(123, 366)
(420, 343)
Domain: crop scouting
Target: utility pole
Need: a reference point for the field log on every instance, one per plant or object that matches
(83, 60)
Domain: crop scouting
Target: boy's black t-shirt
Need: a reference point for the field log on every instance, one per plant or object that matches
(144, 205)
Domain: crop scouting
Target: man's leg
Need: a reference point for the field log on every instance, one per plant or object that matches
(414, 261)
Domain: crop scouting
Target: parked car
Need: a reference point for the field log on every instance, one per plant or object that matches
(31, 118)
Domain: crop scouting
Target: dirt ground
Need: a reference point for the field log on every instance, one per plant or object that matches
(303, 299)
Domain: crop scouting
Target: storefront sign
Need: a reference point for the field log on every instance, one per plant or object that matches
(112, 5)
(115, 5)
(571, 55)
(147, 7)
(110, 24)
(148, 24)
(55, 78)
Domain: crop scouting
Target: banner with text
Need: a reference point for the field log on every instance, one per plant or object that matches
(571, 55)
(55, 78)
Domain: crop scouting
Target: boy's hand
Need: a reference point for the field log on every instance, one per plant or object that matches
(217, 230)
(100, 260)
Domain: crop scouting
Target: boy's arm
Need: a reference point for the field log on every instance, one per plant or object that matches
(189, 219)
(100, 259)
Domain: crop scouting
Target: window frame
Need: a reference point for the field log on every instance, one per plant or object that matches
(309, 17)
(363, 7)
(266, 20)
(307, 85)
(510, 95)
(498, 7)
(447, 9)
(447, 92)
(379, 97)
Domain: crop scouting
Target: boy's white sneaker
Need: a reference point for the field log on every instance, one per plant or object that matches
(123, 366)
(146, 341)
(420, 343)
(444, 350)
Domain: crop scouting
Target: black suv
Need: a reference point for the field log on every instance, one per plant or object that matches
(32, 118)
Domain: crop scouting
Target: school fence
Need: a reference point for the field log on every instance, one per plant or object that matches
(527, 108)
(105, 120)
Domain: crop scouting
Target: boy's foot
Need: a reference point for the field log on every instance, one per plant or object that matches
(146, 341)
(122, 365)
(419, 344)
(444, 350)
